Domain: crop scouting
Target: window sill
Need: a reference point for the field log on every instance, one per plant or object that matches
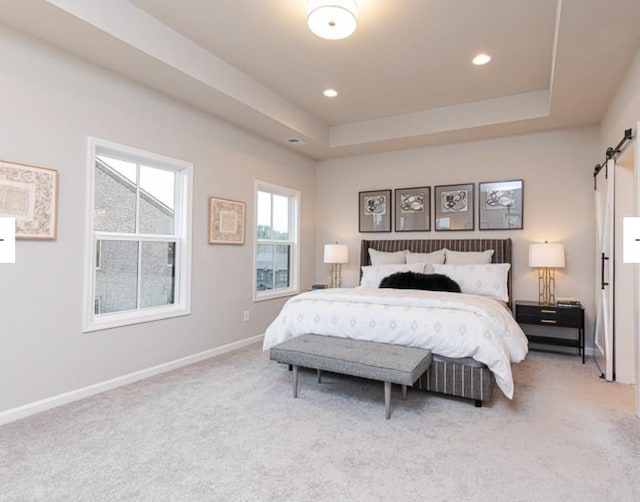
(262, 296)
(121, 319)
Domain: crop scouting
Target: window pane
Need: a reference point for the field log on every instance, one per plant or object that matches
(280, 217)
(283, 266)
(264, 215)
(157, 200)
(117, 277)
(115, 195)
(157, 281)
(264, 267)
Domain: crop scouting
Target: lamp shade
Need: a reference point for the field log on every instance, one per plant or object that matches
(332, 19)
(336, 253)
(546, 255)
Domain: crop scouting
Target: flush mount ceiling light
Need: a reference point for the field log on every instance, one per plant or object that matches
(330, 93)
(332, 19)
(481, 59)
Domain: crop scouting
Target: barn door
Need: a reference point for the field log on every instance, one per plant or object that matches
(604, 193)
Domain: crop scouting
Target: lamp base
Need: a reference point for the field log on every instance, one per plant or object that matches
(336, 272)
(546, 286)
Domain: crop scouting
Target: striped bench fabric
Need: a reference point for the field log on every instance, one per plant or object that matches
(458, 377)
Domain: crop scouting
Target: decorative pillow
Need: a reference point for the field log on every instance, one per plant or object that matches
(486, 280)
(468, 257)
(435, 257)
(412, 280)
(373, 274)
(382, 258)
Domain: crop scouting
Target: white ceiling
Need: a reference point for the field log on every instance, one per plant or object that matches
(405, 77)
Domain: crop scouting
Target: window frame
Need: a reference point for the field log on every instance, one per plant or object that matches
(182, 237)
(293, 242)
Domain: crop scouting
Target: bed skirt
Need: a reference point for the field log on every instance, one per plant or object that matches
(458, 377)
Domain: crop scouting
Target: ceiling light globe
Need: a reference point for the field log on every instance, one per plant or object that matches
(332, 19)
(330, 93)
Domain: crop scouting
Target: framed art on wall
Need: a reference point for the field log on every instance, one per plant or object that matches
(500, 205)
(374, 211)
(454, 207)
(413, 209)
(30, 195)
(226, 221)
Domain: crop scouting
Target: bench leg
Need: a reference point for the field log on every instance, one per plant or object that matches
(387, 400)
(295, 381)
(404, 392)
(319, 376)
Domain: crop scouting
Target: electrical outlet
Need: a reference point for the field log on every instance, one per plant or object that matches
(245, 316)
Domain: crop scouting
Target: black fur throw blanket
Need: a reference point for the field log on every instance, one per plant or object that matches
(413, 280)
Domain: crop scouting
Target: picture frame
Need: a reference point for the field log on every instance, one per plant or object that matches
(454, 207)
(226, 221)
(412, 209)
(30, 195)
(374, 211)
(500, 205)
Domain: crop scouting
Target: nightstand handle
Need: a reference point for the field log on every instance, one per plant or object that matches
(548, 321)
(548, 311)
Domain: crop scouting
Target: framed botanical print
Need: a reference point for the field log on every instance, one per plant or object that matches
(30, 195)
(453, 206)
(374, 211)
(226, 221)
(413, 209)
(500, 205)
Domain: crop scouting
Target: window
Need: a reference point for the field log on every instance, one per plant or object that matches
(139, 237)
(276, 252)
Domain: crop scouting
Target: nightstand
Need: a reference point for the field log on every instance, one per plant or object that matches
(555, 316)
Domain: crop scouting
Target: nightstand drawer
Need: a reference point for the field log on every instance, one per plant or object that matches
(568, 317)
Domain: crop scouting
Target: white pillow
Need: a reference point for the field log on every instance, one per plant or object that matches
(468, 257)
(485, 280)
(382, 258)
(435, 257)
(373, 274)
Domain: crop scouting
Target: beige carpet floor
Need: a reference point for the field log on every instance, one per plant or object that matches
(227, 429)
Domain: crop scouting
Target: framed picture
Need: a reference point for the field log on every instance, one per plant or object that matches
(453, 206)
(500, 205)
(413, 209)
(30, 195)
(226, 221)
(375, 211)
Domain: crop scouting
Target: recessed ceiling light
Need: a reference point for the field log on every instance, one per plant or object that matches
(481, 59)
(330, 93)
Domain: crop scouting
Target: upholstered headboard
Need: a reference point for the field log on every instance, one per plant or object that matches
(501, 247)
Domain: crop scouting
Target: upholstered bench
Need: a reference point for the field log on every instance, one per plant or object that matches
(376, 361)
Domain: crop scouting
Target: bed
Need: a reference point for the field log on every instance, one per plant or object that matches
(473, 338)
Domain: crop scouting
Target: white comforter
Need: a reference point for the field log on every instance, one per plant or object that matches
(449, 324)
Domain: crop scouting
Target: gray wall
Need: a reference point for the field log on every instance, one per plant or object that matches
(558, 199)
(51, 103)
(624, 113)
(55, 101)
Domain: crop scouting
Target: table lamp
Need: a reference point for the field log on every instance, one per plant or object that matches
(546, 258)
(336, 255)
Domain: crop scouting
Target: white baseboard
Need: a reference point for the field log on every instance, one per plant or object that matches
(91, 390)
